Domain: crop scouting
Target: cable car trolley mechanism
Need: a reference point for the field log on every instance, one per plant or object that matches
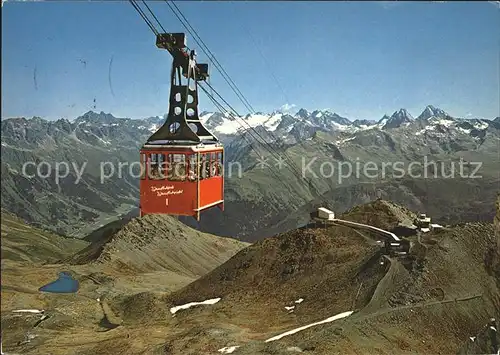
(182, 162)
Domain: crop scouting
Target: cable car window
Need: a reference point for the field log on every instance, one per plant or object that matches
(149, 166)
(199, 166)
(208, 165)
(213, 164)
(179, 158)
(154, 167)
(161, 166)
(168, 165)
(143, 166)
(204, 166)
(220, 165)
(178, 168)
(193, 167)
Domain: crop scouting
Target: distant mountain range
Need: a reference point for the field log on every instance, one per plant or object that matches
(94, 138)
(304, 123)
(283, 125)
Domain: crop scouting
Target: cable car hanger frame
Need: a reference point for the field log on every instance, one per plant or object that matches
(182, 123)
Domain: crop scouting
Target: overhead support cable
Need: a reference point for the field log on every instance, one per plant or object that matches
(144, 17)
(184, 21)
(292, 166)
(224, 111)
(152, 14)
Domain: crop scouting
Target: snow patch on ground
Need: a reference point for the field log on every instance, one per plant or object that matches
(341, 141)
(106, 142)
(174, 310)
(153, 128)
(364, 127)
(28, 311)
(480, 126)
(444, 122)
(205, 117)
(273, 122)
(422, 131)
(73, 136)
(293, 331)
(382, 123)
(230, 126)
(256, 120)
(228, 349)
(463, 130)
(343, 128)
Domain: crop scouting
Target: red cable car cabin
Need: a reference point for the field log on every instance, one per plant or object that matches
(182, 163)
(181, 180)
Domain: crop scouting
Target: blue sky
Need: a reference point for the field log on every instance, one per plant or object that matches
(358, 59)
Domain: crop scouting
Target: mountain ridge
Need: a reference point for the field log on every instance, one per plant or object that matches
(103, 117)
(78, 204)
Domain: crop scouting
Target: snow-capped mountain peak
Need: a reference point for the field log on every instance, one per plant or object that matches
(298, 126)
(317, 114)
(402, 114)
(101, 128)
(398, 119)
(383, 120)
(302, 113)
(431, 111)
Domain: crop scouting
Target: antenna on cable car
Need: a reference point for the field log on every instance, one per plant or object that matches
(182, 122)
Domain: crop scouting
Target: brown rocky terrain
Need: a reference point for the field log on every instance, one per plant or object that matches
(432, 301)
(155, 254)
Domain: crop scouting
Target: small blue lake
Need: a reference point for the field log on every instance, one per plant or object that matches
(64, 284)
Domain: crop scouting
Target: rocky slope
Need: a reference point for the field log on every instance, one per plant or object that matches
(156, 243)
(69, 193)
(148, 255)
(494, 255)
(497, 222)
(432, 301)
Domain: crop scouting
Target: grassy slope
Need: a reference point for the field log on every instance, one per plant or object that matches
(150, 255)
(158, 242)
(21, 242)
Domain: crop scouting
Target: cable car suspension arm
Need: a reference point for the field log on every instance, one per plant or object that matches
(182, 122)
